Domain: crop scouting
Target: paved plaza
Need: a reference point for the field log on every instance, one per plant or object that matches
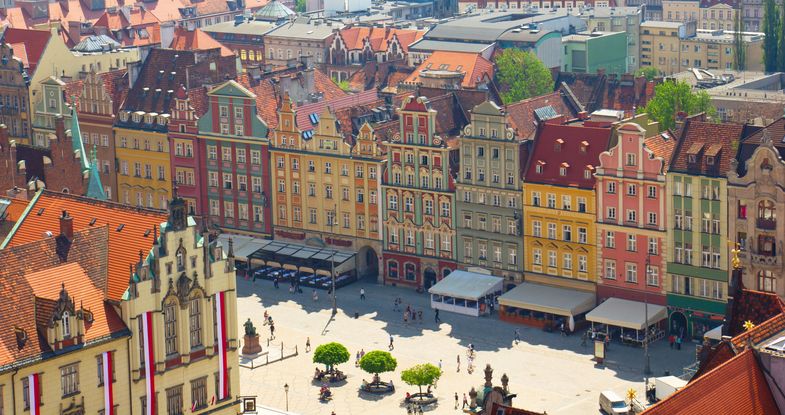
(547, 371)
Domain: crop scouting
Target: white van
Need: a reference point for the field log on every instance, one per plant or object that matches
(612, 404)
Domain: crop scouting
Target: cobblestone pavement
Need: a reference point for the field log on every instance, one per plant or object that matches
(547, 371)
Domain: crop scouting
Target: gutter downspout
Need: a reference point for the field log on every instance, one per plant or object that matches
(13, 392)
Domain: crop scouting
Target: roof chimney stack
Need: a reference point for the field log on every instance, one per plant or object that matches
(66, 226)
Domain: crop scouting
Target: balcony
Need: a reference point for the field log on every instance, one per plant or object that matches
(765, 260)
(768, 224)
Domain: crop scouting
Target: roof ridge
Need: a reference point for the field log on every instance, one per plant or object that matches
(21, 219)
(107, 203)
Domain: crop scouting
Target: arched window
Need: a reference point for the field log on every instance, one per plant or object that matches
(195, 321)
(181, 259)
(66, 321)
(170, 328)
(766, 210)
(410, 272)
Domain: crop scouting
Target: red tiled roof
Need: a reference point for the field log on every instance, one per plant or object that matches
(545, 153)
(737, 386)
(196, 39)
(695, 134)
(35, 42)
(20, 51)
(473, 65)
(760, 332)
(15, 209)
(521, 117)
(150, 77)
(337, 104)
(127, 228)
(116, 86)
(48, 283)
(662, 145)
(379, 37)
(326, 86)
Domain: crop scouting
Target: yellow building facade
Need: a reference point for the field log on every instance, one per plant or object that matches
(326, 188)
(144, 172)
(559, 235)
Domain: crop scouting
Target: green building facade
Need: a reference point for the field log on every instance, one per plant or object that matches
(589, 52)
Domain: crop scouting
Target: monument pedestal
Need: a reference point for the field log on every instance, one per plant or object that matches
(251, 344)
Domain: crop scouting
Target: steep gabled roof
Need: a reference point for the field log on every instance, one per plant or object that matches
(34, 41)
(521, 114)
(701, 138)
(196, 39)
(130, 229)
(662, 145)
(164, 69)
(558, 145)
(476, 68)
(737, 386)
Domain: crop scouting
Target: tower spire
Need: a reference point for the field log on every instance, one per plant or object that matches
(94, 187)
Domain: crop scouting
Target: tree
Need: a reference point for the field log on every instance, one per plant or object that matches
(740, 58)
(299, 6)
(649, 72)
(378, 361)
(331, 354)
(771, 27)
(671, 98)
(521, 75)
(421, 375)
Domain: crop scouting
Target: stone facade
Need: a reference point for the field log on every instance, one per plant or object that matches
(488, 191)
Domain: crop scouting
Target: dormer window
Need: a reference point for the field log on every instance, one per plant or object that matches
(563, 169)
(66, 322)
(584, 146)
(709, 160)
(630, 159)
(691, 158)
(557, 145)
(136, 117)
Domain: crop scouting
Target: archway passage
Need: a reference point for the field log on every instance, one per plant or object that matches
(429, 278)
(679, 324)
(367, 263)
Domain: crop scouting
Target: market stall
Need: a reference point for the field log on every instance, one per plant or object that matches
(545, 306)
(628, 319)
(465, 292)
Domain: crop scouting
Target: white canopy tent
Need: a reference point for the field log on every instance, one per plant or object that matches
(627, 314)
(714, 334)
(463, 291)
(546, 299)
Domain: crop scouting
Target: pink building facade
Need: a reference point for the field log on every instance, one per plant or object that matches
(631, 216)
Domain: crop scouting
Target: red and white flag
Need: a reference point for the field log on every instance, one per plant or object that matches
(223, 371)
(34, 393)
(108, 380)
(149, 361)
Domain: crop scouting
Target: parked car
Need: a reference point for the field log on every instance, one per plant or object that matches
(612, 404)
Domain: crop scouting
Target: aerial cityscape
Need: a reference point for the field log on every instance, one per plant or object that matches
(380, 207)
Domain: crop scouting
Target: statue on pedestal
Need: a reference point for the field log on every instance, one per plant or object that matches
(251, 340)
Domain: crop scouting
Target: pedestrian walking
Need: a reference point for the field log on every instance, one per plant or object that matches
(436, 318)
(391, 346)
(406, 317)
(671, 340)
(440, 364)
(395, 305)
(307, 344)
(678, 343)
(456, 400)
(459, 363)
(414, 316)
(584, 337)
(362, 294)
(362, 353)
(465, 402)
(315, 296)
(419, 315)
(272, 331)
(561, 328)
(517, 336)
(275, 283)
(357, 359)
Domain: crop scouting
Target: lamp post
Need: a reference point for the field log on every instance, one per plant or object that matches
(286, 391)
(647, 366)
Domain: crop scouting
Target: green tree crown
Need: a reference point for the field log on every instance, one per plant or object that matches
(670, 98)
(421, 375)
(331, 354)
(378, 361)
(521, 75)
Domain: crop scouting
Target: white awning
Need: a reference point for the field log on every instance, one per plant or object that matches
(715, 333)
(625, 313)
(467, 285)
(546, 299)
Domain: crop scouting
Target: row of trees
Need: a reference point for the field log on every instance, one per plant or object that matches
(376, 362)
(774, 43)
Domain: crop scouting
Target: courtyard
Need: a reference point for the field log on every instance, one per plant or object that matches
(548, 371)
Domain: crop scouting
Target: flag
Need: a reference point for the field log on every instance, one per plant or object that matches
(223, 370)
(149, 361)
(34, 393)
(108, 378)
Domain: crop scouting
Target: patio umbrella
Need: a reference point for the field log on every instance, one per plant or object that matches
(572, 323)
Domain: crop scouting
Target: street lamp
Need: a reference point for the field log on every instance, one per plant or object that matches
(286, 391)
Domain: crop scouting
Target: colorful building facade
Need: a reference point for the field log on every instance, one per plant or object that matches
(559, 204)
(187, 156)
(237, 154)
(419, 200)
(697, 254)
(326, 188)
(754, 199)
(632, 216)
(488, 192)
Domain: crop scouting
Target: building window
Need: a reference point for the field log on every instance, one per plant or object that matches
(170, 328)
(610, 269)
(567, 261)
(767, 281)
(537, 257)
(410, 272)
(199, 393)
(630, 157)
(174, 400)
(582, 263)
(65, 320)
(69, 379)
(631, 274)
(195, 320)
(652, 277)
(552, 259)
(611, 187)
(632, 243)
(610, 239)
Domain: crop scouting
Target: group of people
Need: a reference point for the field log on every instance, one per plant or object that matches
(268, 321)
(411, 313)
(359, 356)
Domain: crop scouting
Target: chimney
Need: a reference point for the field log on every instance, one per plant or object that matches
(75, 30)
(66, 226)
(59, 127)
(583, 115)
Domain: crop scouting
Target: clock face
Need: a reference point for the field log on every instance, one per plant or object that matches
(396, 138)
(437, 141)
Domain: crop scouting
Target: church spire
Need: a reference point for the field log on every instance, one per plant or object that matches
(94, 187)
(76, 138)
